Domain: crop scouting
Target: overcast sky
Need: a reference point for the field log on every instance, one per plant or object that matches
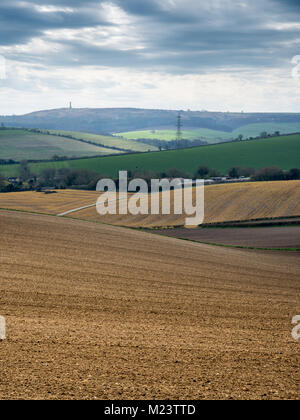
(218, 55)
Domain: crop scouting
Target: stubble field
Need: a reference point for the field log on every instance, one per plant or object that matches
(224, 202)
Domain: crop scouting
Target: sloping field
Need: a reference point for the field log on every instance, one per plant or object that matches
(284, 237)
(39, 202)
(282, 152)
(253, 200)
(25, 145)
(224, 202)
(253, 130)
(213, 136)
(96, 311)
(108, 141)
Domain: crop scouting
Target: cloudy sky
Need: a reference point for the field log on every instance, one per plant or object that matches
(171, 54)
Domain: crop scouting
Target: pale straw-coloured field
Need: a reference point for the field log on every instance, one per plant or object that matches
(223, 202)
(242, 201)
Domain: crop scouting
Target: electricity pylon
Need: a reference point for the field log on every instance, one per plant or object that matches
(179, 128)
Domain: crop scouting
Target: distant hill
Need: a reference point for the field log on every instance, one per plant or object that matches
(282, 152)
(114, 120)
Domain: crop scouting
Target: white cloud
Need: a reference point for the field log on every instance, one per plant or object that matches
(37, 87)
(53, 9)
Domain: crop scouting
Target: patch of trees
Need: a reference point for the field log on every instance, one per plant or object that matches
(262, 174)
(67, 178)
(237, 172)
(275, 174)
(173, 144)
(25, 173)
(203, 172)
(2, 181)
(263, 135)
(6, 186)
(85, 179)
(149, 175)
(7, 162)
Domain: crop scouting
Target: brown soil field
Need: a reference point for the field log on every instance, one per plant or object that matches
(262, 237)
(279, 221)
(224, 202)
(102, 312)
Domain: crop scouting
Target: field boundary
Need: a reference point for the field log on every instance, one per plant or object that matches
(152, 232)
(173, 155)
(251, 248)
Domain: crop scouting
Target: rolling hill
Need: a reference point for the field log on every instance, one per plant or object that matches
(283, 152)
(214, 136)
(22, 144)
(108, 141)
(114, 120)
(210, 136)
(223, 203)
(19, 144)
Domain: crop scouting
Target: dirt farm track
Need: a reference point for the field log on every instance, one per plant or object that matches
(99, 312)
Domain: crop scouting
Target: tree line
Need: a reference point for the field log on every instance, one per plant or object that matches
(172, 144)
(84, 179)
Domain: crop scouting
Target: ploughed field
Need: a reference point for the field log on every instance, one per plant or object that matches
(96, 311)
(283, 237)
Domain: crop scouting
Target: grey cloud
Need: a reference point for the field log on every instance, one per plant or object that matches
(176, 39)
(158, 10)
(293, 5)
(20, 22)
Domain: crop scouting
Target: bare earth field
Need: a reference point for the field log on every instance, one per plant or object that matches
(96, 311)
(280, 221)
(262, 237)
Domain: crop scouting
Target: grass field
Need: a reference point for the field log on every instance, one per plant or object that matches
(214, 136)
(99, 312)
(222, 203)
(253, 130)
(107, 141)
(24, 145)
(211, 136)
(282, 152)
